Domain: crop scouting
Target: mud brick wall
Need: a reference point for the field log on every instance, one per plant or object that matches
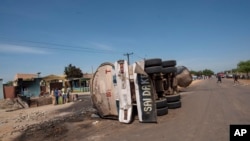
(9, 92)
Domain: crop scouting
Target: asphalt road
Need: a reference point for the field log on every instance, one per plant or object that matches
(208, 108)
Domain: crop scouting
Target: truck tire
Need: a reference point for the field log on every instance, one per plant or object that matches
(154, 69)
(161, 103)
(173, 98)
(169, 63)
(169, 70)
(153, 62)
(174, 105)
(162, 111)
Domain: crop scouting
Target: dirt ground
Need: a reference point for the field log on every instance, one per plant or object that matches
(58, 122)
(20, 124)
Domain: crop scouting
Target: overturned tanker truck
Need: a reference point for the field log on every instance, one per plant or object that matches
(147, 89)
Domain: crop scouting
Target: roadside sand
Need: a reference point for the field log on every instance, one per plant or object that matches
(246, 82)
(12, 124)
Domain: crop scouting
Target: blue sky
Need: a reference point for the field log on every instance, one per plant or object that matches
(47, 35)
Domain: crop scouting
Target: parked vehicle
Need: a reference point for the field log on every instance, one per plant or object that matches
(222, 75)
(229, 76)
(194, 77)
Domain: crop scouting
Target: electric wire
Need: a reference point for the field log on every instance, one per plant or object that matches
(57, 46)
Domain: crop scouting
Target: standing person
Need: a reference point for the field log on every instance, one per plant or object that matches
(64, 95)
(219, 78)
(56, 95)
(68, 93)
(60, 99)
(236, 79)
(52, 94)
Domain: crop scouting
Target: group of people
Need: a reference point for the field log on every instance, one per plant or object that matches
(235, 77)
(60, 96)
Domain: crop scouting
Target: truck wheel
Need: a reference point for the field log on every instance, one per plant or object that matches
(169, 63)
(154, 69)
(173, 98)
(161, 103)
(174, 105)
(162, 111)
(153, 62)
(169, 70)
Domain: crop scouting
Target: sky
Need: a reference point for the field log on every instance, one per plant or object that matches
(47, 35)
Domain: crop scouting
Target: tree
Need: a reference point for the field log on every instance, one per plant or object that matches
(197, 73)
(234, 70)
(244, 66)
(230, 71)
(207, 72)
(72, 72)
(193, 72)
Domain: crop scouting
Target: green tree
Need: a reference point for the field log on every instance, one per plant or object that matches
(230, 71)
(199, 73)
(244, 66)
(72, 72)
(234, 70)
(193, 72)
(207, 72)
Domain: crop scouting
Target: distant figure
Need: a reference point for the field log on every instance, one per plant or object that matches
(64, 94)
(60, 98)
(52, 94)
(68, 93)
(56, 95)
(219, 78)
(236, 79)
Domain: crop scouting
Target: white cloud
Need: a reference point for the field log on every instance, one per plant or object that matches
(7, 48)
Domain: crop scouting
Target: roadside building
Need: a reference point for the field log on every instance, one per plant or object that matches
(1, 89)
(53, 81)
(80, 84)
(27, 84)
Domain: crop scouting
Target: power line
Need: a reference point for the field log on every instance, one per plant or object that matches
(57, 46)
(139, 56)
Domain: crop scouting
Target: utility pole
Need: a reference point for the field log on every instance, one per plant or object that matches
(127, 54)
